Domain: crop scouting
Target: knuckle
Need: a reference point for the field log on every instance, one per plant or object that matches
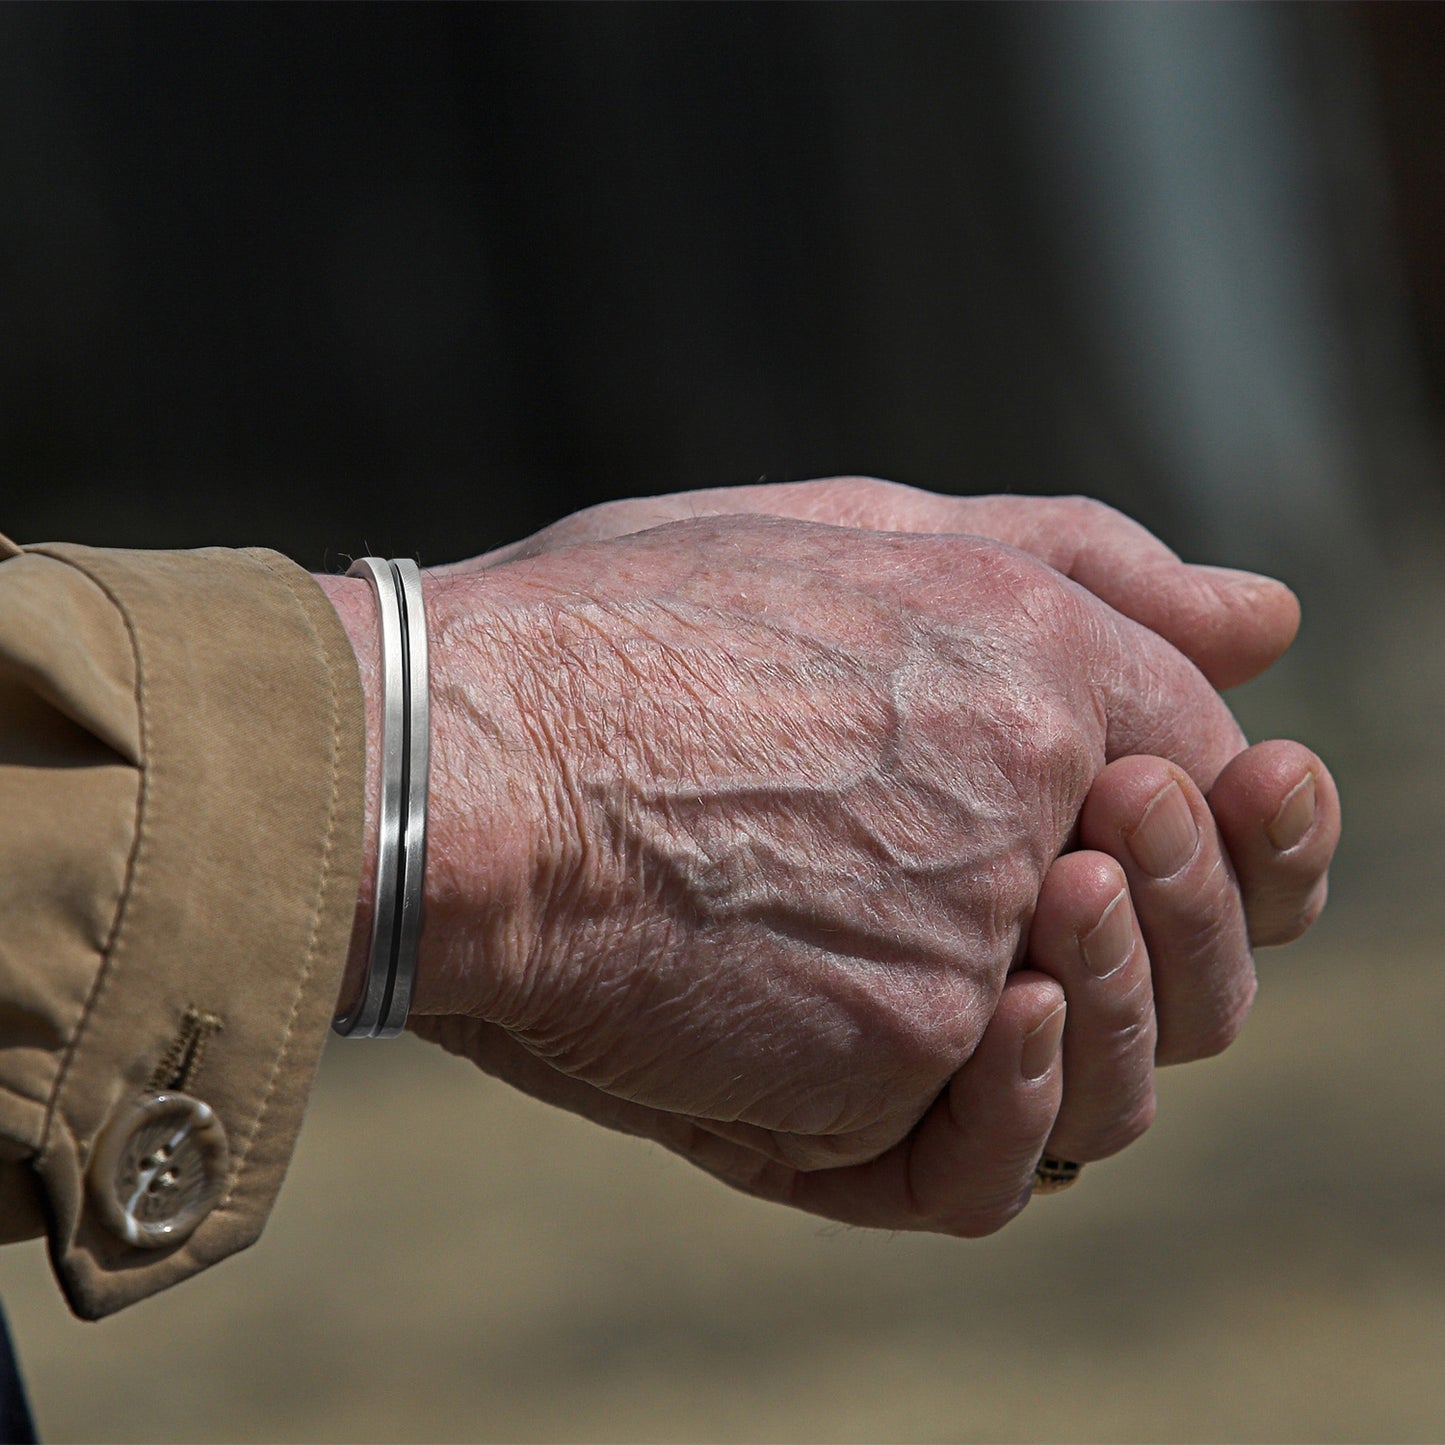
(589, 521)
(870, 503)
(863, 489)
(1091, 516)
(1082, 507)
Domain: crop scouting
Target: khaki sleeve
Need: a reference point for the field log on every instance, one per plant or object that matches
(181, 808)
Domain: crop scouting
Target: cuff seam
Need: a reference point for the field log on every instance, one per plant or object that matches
(323, 884)
(133, 864)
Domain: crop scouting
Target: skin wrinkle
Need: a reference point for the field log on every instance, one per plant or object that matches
(583, 1049)
(810, 1131)
(802, 719)
(708, 870)
(484, 797)
(799, 784)
(660, 995)
(724, 1104)
(1113, 557)
(828, 937)
(704, 872)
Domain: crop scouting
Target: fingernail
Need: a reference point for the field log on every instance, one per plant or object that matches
(1296, 815)
(1106, 947)
(1167, 835)
(1041, 1045)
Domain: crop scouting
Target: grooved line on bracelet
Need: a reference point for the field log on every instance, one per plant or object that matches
(398, 918)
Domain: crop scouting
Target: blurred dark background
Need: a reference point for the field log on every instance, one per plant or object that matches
(428, 276)
(419, 279)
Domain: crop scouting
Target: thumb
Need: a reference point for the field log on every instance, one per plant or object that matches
(1231, 625)
(1156, 703)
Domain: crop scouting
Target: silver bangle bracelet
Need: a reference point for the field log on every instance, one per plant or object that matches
(401, 841)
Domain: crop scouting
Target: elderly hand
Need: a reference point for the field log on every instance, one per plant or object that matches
(1231, 625)
(739, 826)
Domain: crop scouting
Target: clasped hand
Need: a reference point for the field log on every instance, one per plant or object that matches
(855, 842)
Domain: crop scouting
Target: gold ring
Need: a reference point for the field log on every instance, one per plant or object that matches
(1053, 1176)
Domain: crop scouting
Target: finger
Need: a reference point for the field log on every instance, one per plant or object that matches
(968, 1167)
(1231, 625)
(1156, 703)
(965, 1170)
(1085, 936)
(1278, 812)
(1148, 815)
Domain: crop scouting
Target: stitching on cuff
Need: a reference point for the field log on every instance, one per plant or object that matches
(133, 864)
(322, 887)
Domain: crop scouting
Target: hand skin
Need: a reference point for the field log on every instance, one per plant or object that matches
(739, 824)
(1264, 836)
(1232, 625)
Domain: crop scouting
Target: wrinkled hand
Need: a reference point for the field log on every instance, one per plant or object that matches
(739, 826)
(1192, 932)
(1231, 625)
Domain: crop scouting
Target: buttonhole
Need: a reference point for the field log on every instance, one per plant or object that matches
(182, 1061)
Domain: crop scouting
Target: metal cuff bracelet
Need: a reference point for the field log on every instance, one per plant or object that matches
(405, 760)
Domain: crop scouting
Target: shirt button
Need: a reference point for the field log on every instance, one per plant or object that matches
(158, 1168)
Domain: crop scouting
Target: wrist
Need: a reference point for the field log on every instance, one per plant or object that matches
(485, 852)
(493, 840)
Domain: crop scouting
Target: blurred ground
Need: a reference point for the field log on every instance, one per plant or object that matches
(1266, 1266)
(451, 1261)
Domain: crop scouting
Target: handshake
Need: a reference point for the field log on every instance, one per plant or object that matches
(865, 846)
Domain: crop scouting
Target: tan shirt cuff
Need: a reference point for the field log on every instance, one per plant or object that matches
(181, 808)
